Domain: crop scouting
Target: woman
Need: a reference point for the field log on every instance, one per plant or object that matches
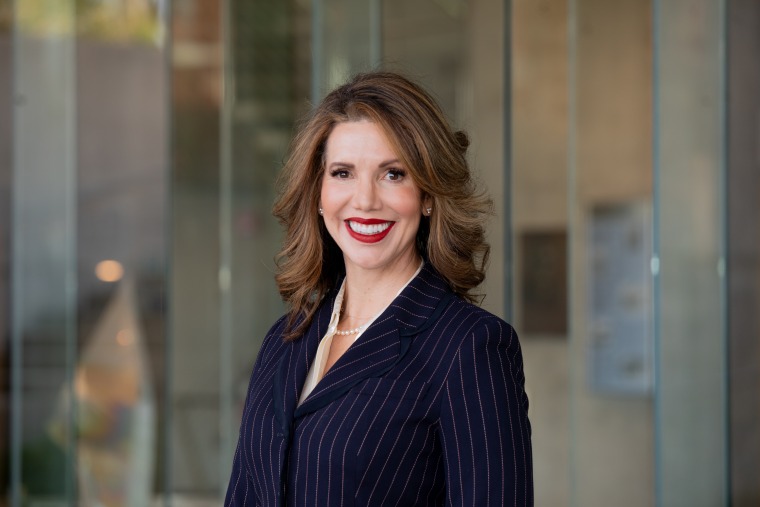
(383, 384)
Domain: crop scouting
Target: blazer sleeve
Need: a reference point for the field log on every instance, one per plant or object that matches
(240, 489)
(240, 492)
(484, 428)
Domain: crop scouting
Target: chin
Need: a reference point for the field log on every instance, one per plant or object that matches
(369, 264)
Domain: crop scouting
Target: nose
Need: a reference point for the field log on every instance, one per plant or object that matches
(366, 195)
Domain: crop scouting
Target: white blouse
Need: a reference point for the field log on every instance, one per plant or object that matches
(317, 368)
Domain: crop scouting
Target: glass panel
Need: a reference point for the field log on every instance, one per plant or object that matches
(267, 90)
(195, 465)
(743, 210)
(122, 155)
(241, 78)
(43, 254)
(345, 40)
(612, 218)
(87, 250)
(610, 210)
(691, 326)
(6, 169)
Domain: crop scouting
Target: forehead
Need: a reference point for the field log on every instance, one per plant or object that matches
(358, 138)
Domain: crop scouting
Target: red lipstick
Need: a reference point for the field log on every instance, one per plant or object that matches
(368, 238)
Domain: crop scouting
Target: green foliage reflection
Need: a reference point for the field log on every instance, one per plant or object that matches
(122, 20)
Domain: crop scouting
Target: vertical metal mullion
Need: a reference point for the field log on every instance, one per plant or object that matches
(317, 50)
(17, 267)
(572, 148)
(70, 281)
(166, 432)
(656, 248)
(375, 33)
(509, 256)
(225, 239)
(722, 186)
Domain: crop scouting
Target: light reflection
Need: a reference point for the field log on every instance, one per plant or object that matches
(125, 338)
(109, 271)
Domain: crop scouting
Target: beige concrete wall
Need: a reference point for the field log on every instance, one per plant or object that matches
(539, 200)
(485, 82)
(613, 437)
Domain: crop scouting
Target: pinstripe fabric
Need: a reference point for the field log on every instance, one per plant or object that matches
(427, 407)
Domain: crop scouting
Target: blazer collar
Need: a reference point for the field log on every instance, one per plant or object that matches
(375, 352)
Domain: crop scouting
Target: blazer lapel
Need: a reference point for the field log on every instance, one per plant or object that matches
(294, 365)
(385, 342)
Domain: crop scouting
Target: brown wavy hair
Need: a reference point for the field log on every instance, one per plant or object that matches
(451, 239)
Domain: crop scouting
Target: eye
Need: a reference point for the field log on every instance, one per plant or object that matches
(395, 174)
(339, 173)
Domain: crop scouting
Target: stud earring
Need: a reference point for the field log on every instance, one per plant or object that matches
(321, 211)
(429, 211)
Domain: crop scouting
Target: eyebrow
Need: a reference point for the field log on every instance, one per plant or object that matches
(349, 165)
(390, 162)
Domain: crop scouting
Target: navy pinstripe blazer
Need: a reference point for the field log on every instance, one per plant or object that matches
(427, 407)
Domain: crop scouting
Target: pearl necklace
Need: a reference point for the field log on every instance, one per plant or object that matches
(348, 332)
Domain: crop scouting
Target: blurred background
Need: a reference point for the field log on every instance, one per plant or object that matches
(139, 144)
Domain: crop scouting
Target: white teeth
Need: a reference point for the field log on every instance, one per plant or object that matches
(368, 229)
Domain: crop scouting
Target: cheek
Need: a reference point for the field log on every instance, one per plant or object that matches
(409, 204)
(330, 196)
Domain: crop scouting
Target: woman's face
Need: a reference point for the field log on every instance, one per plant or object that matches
(371, 205)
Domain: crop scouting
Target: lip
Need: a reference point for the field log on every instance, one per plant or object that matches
(367, 221)
(368, 238)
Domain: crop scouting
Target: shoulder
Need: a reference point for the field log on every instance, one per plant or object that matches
(273, 342)
(479, 336)
(489, 344)
(474, 320)
(278, 328)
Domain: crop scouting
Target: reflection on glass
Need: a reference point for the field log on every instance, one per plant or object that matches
(109, 271)
(122, 153)
(43, 251)
(132, 21)
(116, 413)
(345, 38)
(89, 164)
(268, 86)
(196, 96)
(6, 168)
(691, 340)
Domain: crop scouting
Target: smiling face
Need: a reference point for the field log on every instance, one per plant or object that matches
(371, 205)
